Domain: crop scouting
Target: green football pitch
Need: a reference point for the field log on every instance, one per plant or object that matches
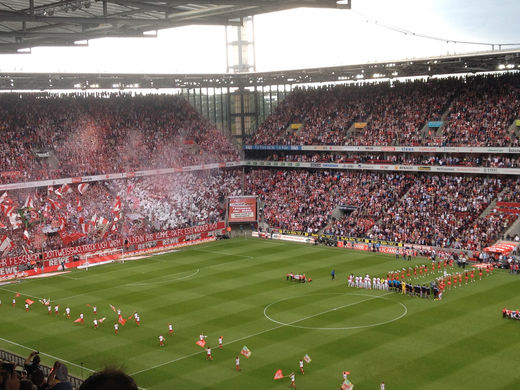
(237, 289)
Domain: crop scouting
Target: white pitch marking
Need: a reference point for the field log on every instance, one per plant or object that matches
(227, 343)
(46, 354)
(328, 311)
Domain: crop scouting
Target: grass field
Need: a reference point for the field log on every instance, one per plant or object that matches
(237, 289)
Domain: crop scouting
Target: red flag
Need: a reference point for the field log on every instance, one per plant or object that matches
(278, 374)
(79, 320)
(102, 221)
(17, 295)
(79, 207)
(121, 320)
(82, 188)
(5, 245)
(28, 301)
(26, 236)
(85, 227)
(2, 226)
(65, 189)
(28, 202)
(3, 197)
(58, 193)
(112, 307)
(117, 205)
(201, 343)
(101, 320)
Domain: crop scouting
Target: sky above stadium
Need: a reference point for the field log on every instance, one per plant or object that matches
(374, 30)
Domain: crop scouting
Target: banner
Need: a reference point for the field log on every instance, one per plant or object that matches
(435, 124)
(140, 242)
(242, 209)
(360, 125)
(296, 126)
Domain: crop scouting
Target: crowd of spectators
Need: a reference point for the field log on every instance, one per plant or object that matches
(495, 161)
(443, 211)
(304, 200)
(62, 216)
(479, 111)
(47, 137)
(438, 210)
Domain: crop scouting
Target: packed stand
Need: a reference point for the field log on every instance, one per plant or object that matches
(49, 137)
(441, 210)
(479, 111)
(304, 200)
(482, 113)
(52, 218)
(494, 161)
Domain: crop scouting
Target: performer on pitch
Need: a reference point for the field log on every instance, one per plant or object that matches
(293, 380)
(161, 341)
(208, 354)
(237, 363)
(95, 323)
(301, 367)
(67, 312)
(116, 328)
(170, 329)
(220, 341)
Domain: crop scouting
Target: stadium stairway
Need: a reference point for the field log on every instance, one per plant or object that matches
(336, 213)
(493, 204)
(426, 130)
(513, 230)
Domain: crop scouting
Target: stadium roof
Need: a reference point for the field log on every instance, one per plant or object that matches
(30, 23)
(454, 64)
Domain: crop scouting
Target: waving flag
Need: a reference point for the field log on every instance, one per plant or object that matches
(347, 385)
(82, 188)
(201, 343)
(112, 307)
(29, 302)
(2, 226)
(3, 197)
(29, 202)
(278, 374)
(58, 193)
(246, 352)
(79, 320)
(117, 205)
(65, 189)
(102, 221)
(17, 295)
(7, 209)
(121, 320)
(5, 245)
(26, 236)
(15, 222)
(101, 320)
(54, 204)
(79, 207)
(50, 190)
(85, 227)
(307, 358)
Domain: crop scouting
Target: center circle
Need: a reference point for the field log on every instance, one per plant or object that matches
(329, 307)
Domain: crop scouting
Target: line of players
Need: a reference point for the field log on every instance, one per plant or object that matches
(396, 281)
(367, 282)
(511, 314)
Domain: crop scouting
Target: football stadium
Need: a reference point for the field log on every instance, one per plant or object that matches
(331, 223)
